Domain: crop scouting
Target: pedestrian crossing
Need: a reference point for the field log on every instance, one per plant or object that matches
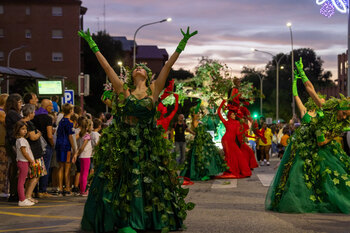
(265, 180)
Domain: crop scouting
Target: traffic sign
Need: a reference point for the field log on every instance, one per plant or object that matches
(68, 97)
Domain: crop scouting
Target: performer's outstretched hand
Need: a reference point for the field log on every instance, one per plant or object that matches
(300, 67)
(86, 35)
(183, 42)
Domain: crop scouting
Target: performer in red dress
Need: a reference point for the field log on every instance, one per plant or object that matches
(238, 164)
(165, 121)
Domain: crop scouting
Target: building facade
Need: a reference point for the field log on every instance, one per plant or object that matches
(341, 82)
(46, 33)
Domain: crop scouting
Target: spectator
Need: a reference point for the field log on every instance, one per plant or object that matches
(31, 98)
(77, 110)
(75, 189)
(13, 108)
(43, 122)
(37, 169)
(95, 138)
(265, 147)
(84, 153)
(80, 124)
(101, 116)
(54, 100)
(65, 149)
(3, 158)
(284, 141)
(24, 157)
(180, 142)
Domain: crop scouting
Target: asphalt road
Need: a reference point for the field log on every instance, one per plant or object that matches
(221, 206)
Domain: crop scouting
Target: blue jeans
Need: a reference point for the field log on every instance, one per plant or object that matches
(274, 148)
(252, 145)
(44, 180)
(180, 147)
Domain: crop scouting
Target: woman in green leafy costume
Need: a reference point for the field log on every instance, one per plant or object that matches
(203, 159)
(314, 174)
(135, 184)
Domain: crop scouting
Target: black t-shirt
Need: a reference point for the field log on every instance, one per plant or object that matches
(10, 120)
(180, 132)
(35, 146)
(41, 122)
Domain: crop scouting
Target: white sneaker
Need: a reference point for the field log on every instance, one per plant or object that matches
(25, 202)
(267, 163)
(262, 163)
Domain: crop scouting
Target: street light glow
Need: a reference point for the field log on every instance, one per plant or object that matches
(253, 49)
(169, 19)
(282, 67)
(120, 63)
(289, 24)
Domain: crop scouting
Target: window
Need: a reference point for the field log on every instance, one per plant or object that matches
(57, 34)
(28, 56)
(1, 55)
(1, 32)
(56, 11)
(1, 9)
(57, 56)
(28, 33)
(27, 10)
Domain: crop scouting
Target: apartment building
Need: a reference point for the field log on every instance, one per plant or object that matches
(41, 35)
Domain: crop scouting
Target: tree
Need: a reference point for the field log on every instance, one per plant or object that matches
(313, 69)
(112, 51)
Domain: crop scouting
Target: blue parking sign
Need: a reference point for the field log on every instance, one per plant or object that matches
(68, 97)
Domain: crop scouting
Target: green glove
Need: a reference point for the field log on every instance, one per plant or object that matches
(89, 39)
(183, 42)
(294, 87)
(300, 66)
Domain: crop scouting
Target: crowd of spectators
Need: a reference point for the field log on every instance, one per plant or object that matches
(45, 150)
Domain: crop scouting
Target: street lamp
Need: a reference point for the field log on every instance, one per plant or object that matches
(120, 64)
(261, 91)
(289, 25)
(134, 54)
(8, 65)
(277, 76)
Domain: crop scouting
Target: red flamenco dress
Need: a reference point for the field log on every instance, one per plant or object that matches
(236, 161)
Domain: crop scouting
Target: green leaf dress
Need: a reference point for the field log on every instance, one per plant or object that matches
(203, 159)
(135, 183)
(311, 178)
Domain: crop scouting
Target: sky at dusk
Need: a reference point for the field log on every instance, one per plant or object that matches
(227, 29)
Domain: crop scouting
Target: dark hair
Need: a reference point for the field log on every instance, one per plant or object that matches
(74, 117)
(54, 98)
(17, 127)
(108, 116)
(77, 110)
(66, 108)
(83, 124)
(12, 103)
(97, 123)
(27, 97)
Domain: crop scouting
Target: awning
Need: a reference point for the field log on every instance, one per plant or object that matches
(21, 72)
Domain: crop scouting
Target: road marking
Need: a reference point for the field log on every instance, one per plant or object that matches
(265, 179)
(38, 216)
(37, 206)
(28, 229)
(224, 184)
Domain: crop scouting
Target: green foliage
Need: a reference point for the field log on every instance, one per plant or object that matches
(137, 163)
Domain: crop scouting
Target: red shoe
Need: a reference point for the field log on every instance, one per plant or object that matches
(187, 181)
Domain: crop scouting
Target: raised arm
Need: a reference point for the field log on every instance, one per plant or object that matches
(219, 111)
(300, 104)
(308, 85)
(113, 77)
(160, 82)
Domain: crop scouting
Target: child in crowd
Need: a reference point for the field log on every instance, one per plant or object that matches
(77, 129)
(64, 148)
(84, 153)
(24, 158)
(95, 137)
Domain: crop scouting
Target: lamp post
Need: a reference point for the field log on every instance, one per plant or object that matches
(289, 25)
(261, 91)
(277, 77)
(144, 25)
(120, 64)
(8, 65)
